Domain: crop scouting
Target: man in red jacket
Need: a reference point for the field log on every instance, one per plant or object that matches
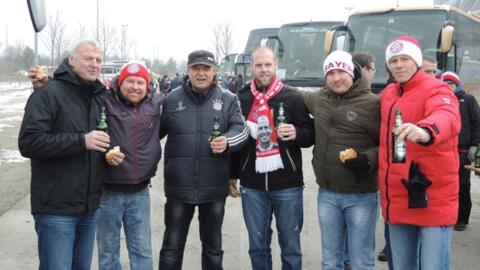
(419, 198)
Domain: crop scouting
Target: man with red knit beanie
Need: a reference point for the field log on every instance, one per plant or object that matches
(419, 198)
(468, 140)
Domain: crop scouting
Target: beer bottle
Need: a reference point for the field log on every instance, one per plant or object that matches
(281, 115)
(216, 129)
(477, 157)
(399, 148)
(102, 125)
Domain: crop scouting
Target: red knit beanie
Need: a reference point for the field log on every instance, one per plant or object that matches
(134, 69)
(450, 76)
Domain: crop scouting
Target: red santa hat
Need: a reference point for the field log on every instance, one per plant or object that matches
(134, 69)
(450, 76)
(338, 60)
(405, 45)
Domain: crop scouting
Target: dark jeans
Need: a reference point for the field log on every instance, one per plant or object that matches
(464, 199)
(178, 216)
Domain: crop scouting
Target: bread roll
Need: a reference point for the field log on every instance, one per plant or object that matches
(347, 154)
(41, 73)
(109, 155)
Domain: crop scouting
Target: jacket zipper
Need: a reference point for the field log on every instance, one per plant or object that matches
(387, 197)
(135, 146)
(291, 161)
(246, 161)
(266, 181)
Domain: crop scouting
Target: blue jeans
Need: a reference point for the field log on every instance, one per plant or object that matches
(178, 216)
(65, 241)
(352, 213)
(133, 210)
(405, 241)
(287, 206)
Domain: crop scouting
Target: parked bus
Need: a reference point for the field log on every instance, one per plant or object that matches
(449, 34)
(300, 52)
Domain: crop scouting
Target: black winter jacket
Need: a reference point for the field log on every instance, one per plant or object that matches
(192, 173)
(66, 178)
(470, 113)
(243, 162)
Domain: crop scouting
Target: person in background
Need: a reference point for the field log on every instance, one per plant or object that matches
(58, 135)
(468, 141)
(176, 81)
(197, 169)
(419, 198)
(346, 115)
(270, 165)
(429, 65)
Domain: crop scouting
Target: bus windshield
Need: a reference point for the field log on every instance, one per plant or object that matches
(301, 54)
(256, 36)
(372, 32)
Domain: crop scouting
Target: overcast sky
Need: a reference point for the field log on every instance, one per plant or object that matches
(174, 28)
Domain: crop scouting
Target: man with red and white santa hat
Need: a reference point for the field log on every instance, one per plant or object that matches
(419, 198)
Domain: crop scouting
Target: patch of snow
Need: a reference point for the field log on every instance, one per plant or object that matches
(12, 156)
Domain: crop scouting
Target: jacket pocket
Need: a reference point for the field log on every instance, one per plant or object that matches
(292, 162)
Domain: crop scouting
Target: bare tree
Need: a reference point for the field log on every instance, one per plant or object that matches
(217, 40)
(222, 39)
(107, 38)
(53, 35)
(81, 32)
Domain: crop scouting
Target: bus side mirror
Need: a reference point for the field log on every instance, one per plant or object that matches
(446, 38)
(327, 47)
(36, 9)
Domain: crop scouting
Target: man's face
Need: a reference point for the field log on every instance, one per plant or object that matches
(369, 72)
(87, 62)
(402, 67)
(451, 85)
(201, 77)
(264, 67)
(339, 81)
(429, 67)
(263, 130)
(134, 89)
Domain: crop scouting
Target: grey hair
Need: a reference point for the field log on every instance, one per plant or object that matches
(78, 45)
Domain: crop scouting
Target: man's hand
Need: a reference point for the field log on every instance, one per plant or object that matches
(287, 132)
(219, 144)
(116, 158)
(412, 132)
(97, 140)
(37, 76)
(234, 192)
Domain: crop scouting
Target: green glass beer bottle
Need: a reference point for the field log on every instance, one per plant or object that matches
(477, 157)
(216, 129)
(102, 125)
(399, 148)
(281, 115)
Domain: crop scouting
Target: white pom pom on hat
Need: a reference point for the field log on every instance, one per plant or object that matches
(404, 45)
(338, 60)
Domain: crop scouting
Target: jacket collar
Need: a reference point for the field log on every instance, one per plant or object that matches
(414, 81)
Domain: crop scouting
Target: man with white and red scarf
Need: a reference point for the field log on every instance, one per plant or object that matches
(270, 168)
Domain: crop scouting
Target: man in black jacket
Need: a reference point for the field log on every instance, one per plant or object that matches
(468, 140)
(58, 135)
(271, 179)
(197, 169)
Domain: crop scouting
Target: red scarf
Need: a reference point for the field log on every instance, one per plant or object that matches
(268, 154)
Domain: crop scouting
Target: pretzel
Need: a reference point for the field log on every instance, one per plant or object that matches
(41, 73)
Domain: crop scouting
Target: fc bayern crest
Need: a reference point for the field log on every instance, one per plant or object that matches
(133, 68)
(396, 47)
(217, 105)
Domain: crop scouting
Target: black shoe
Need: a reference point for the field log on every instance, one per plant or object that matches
(382, 255)
(460, 227)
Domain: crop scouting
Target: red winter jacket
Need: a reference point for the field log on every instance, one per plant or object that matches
(428, 103)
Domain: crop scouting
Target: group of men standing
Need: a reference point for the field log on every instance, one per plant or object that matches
(68, 168)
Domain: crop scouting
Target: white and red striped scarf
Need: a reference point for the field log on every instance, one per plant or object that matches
(266, 160)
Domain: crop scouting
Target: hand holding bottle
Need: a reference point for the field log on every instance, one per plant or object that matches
(412, 132)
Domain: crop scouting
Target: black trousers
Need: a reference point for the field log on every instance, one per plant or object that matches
(178, 216)
(465, 201)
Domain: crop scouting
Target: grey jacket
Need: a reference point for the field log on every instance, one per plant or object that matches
(192, 173)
